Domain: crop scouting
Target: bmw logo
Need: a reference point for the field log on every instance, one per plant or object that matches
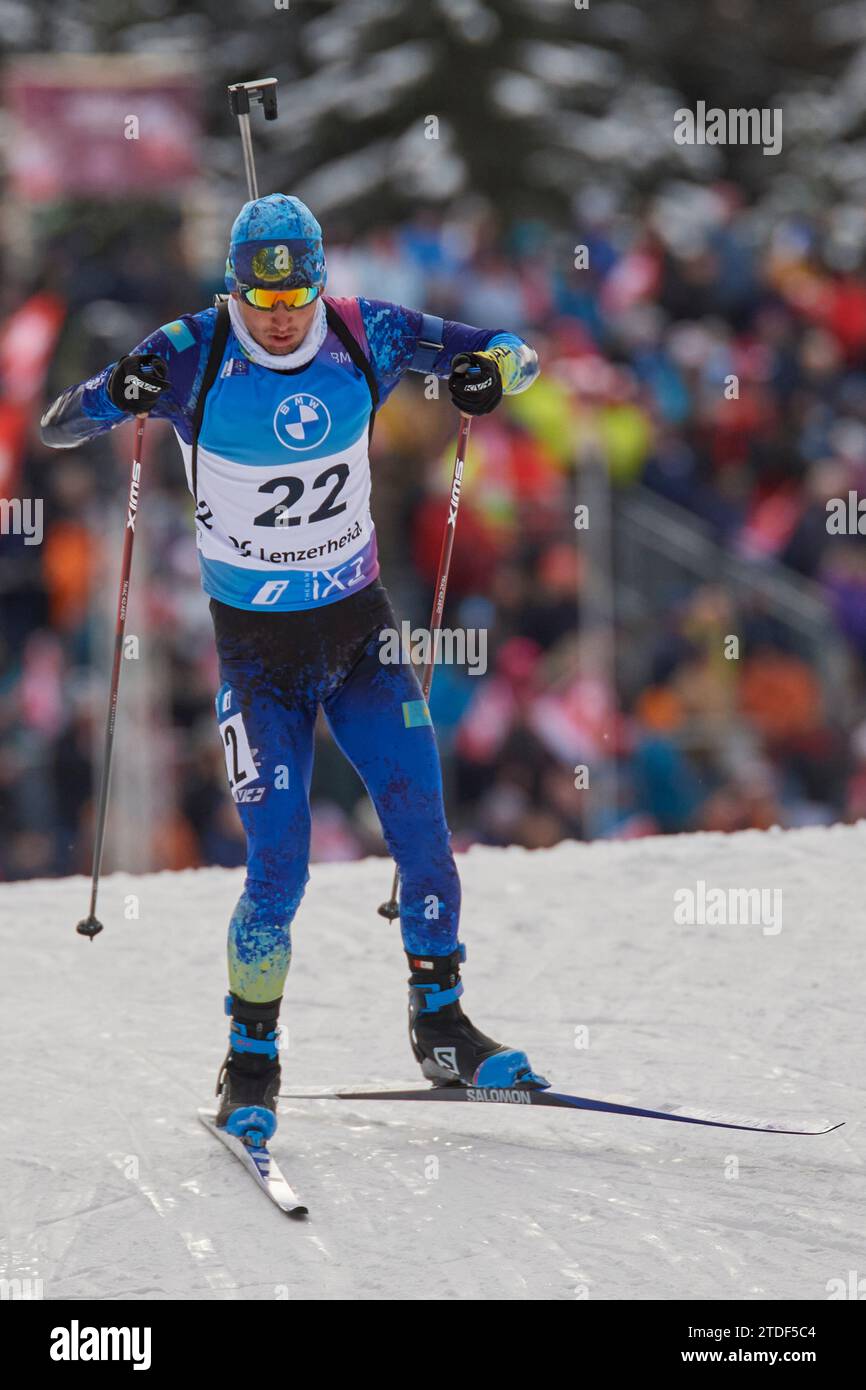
(301, 422)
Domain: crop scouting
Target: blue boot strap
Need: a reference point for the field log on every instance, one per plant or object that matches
(252, 1121)
(436, 998)
(509, 1068)
(241, 1043)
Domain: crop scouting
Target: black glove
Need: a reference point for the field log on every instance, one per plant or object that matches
(137, 382)
(475, 383)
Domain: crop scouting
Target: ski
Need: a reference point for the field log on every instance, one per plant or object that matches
(526, 1096)
(260, 1164)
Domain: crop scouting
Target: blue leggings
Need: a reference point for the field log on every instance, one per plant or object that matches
(276, 669)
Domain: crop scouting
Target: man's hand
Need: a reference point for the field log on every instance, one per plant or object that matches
(475, 383)
(137, 382)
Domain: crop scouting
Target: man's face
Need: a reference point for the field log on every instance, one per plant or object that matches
(278, 330)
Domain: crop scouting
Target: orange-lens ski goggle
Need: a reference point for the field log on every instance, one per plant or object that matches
(269, 299)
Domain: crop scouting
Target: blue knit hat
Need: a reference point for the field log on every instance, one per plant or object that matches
(276, 244)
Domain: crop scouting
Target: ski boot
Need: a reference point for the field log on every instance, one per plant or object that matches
(249, 1079)
(450, 1049)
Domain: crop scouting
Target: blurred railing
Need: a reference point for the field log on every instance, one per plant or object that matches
(661, 552)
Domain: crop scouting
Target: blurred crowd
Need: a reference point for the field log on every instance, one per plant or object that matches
(713, 362)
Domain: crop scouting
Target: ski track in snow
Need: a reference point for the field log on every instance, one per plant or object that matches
(111, 1189)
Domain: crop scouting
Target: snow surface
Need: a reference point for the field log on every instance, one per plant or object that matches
(110, 1188)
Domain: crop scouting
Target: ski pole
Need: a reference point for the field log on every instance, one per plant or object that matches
(90, 925)
(263, 90)
(391, 908)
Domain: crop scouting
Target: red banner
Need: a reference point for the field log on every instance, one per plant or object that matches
(100, 126)
(13, 430)
(27, 341)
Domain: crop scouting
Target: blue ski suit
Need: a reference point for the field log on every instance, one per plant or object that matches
(287, 552)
